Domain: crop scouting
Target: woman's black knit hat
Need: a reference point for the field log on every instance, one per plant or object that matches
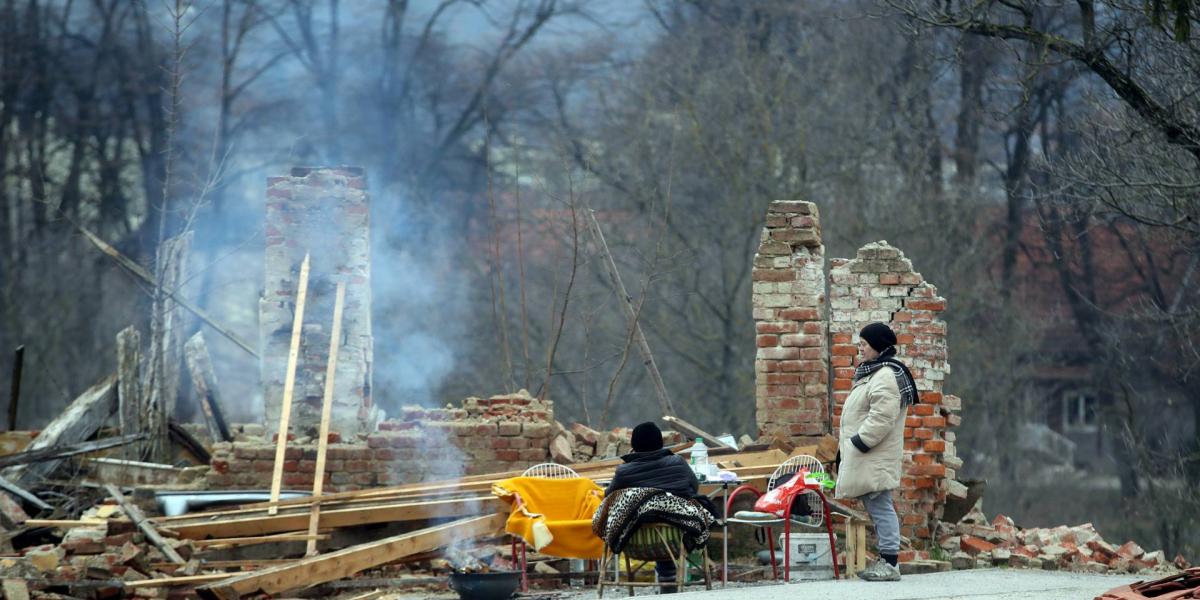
(879, 336)
(647, 437)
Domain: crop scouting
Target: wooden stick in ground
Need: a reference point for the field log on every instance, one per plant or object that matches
(626, 302)
(135, 514)
(289, 385)
(326, 410)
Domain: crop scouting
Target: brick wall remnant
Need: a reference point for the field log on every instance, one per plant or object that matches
(493, 435)
(879, 284)
(324, 212)
(791, 369)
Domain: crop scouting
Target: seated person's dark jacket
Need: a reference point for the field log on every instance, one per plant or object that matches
(660, 469)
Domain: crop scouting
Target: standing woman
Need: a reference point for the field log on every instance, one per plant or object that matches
(871, 441)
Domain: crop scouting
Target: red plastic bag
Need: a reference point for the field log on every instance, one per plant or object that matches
(776, 501)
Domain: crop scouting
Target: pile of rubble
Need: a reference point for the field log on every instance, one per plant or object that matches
(976, 542)
(580, 443)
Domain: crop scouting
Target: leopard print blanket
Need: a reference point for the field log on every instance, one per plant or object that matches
(623, 510)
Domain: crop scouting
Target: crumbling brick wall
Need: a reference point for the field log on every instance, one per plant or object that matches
(493, 435)
(323, 212)
(879, 284)
(807, 344)
(792, 366)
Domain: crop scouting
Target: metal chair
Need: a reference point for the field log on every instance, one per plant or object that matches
(815, 502)
(543, 471)
(652, 542)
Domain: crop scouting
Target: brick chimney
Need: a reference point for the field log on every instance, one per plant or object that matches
(325, 212)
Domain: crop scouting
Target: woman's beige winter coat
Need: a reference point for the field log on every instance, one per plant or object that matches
(873, 412)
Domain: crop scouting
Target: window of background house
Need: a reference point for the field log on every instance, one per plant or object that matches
(1078, 411)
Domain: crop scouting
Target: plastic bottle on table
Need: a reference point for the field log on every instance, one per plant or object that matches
(699, 458)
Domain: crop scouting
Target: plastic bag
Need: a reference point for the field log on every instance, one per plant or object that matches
(775, 501)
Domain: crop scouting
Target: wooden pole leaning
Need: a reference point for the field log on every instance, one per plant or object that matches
(326, 410)
(289, 386)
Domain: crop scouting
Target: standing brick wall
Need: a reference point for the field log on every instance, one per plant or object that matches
(493, 435)
(791, 370)
(881, 285)
(324, 212)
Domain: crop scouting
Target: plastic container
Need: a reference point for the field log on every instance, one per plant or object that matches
(699, 458)
(810, 556)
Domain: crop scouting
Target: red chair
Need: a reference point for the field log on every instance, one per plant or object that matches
(817, 504)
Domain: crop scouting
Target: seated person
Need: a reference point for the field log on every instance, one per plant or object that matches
(650, 465)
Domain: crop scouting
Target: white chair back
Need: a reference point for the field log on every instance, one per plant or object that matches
(789, 468)
(551, 471)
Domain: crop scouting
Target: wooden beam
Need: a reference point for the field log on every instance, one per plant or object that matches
(626, 302)
(177, 581)
(326, 410)
(289, 385)
(204, 382)
(332, 519)
(692, 431)
(135, 514)
(79, 422)
(188, 442)
(344, 563)
(65, 523)
(145, 275)
(14, 397)
(130, 409)
(19, 492)
(259, 539)
(64, 451)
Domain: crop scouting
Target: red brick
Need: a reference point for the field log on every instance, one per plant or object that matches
(921, 410)
(922, 304)
(843, 338)
(973, 545)
(922, 433)
(841, 350)
(938, 422)
(934, 470)
(220, 466)
(937, 446)
(912, 421)
(767, 341)
(931, 397)
(922, 459)
(262, 466)
(842, 384)
(508, 455)
(291, 466)
(776, 327)
(841, 361)
(800, 314)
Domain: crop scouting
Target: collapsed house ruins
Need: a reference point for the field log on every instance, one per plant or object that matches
(439, 463)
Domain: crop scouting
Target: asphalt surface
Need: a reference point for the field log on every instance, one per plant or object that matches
(975, 584)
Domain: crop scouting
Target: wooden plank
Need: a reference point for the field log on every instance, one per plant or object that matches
(261, 539)
(289, 385)
(332, 519)
(178, 581)
(753, 459)
(326, 415)
(65, 523)
(146, 276)
(60, 452)
(344, 563)
(15, 589)
(130, 409)
(204, 382)
(167, 328)
(14, 396)
(79, 422)
(135, 514)
(626, 302)
(692, 431)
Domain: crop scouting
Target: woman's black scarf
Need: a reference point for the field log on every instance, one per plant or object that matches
(904, 378)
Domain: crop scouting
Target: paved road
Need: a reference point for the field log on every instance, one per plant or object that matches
(976, 584)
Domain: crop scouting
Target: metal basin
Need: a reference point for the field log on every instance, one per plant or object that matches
(494, 585)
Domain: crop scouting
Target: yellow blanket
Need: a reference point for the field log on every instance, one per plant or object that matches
(553, 515)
